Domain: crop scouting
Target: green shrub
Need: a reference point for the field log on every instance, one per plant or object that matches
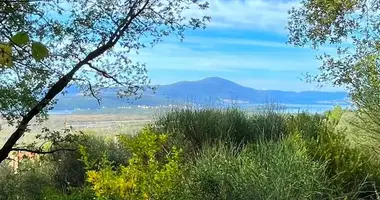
(270, 170)
(81, 193)
(70, 170)
(195, 129)
(27, 184)
(59, 173)
(152, 172)
(354, 172)
(350, 170)
(305, 124)
(266, 125)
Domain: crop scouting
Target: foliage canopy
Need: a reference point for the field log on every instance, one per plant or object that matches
(51, 45)
(353, 28)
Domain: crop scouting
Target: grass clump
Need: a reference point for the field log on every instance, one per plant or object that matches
(273, 170)
(196, 129)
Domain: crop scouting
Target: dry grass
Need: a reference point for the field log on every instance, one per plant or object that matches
(103, 124)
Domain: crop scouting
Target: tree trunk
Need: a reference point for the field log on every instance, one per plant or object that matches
(21, 128)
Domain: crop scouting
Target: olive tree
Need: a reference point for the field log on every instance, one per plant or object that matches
(49, 45)
(352, 27)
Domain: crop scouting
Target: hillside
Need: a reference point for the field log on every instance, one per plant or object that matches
(207, 91)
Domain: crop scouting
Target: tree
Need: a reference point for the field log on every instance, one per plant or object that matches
(353, 28)
(88, 43)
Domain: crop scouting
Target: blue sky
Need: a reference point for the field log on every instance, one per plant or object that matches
(245, 43)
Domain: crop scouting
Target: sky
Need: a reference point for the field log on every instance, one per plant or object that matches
(245, 42)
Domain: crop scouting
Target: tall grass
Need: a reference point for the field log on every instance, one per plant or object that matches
(269, 171)
(196, 128)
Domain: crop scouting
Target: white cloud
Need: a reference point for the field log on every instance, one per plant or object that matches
(234, 42)
(212, 42)
(262, 15)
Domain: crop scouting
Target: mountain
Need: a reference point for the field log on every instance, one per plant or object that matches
(218, 89)
(206, 91)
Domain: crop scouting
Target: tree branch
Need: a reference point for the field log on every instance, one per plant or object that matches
(93, 93)
(19, 1)
(42, 152)
(90, 88)
(104, 73)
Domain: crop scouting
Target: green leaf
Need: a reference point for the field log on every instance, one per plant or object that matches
(5, 55)
(20, 39)
(39, 51)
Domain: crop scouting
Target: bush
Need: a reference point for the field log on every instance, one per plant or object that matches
(27, 184)
(354, 172)
(305, 124)
(70, 170)
(60, 175)
(81, 193)
(152, 172)
(195, 129)
(274, 170)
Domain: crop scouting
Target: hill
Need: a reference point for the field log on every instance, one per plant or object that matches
(207, 91)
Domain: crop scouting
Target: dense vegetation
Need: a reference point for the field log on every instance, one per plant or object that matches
(186, 154)
(208, 154)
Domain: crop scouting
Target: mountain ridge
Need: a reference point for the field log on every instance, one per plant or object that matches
(205, 91)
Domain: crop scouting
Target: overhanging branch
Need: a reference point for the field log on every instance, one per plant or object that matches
(38, 151)
(93, 93)
(104, 73)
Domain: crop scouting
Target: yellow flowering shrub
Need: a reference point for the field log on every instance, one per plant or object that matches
(153, 171)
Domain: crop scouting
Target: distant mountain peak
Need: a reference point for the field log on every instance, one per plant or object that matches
(207, 82)
(217, 83)
(216, 80)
